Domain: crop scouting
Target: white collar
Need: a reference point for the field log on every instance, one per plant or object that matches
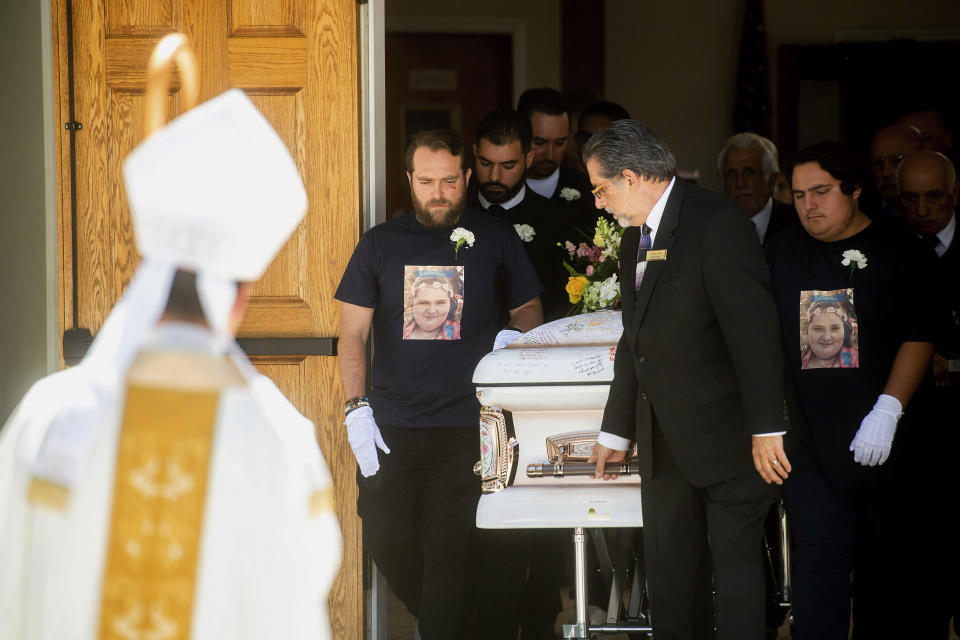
(946, 234)
(656, 214)
(762, 219)
(509, 204)
(546, 187)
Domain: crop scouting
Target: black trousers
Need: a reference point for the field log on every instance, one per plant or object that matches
(519, 572)
(418, 516)
(835, 532)
(694, 533)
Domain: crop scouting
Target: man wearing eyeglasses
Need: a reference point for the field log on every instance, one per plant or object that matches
(698, 383)
(887, 149)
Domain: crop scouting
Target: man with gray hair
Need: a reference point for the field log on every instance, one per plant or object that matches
(749, 170)
(698, 382)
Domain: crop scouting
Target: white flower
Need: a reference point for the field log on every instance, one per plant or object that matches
(852, 255)
(601, 295)
(569, 194)
(460, 237)
(525, 232)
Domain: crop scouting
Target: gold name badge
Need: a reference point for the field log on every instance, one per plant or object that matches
(659, 254)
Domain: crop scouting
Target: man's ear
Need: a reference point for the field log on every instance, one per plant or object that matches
(528, 159)
(466, 176)
(410, 178)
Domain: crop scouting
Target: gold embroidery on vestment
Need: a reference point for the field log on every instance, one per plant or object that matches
(322, 501)
(48, 494)
(156, 522)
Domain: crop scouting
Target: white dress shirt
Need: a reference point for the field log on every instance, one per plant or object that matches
(545, 186)
(762, 220)
(509, 204)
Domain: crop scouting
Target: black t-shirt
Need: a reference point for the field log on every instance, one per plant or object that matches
(419, 287)
(552, 223)
(841, 328)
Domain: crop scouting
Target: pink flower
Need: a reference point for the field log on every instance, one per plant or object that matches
(603, 258)
(571, 249)
(589, 270)
(583, 250)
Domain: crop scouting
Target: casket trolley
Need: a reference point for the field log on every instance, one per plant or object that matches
(542, 403)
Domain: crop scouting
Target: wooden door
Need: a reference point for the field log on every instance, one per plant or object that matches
(440, 80)
(298, 62)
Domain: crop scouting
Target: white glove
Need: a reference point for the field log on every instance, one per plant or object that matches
(364, 437)
(505, 337)
(874, 438)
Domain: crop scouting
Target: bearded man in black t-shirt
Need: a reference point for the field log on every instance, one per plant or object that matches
(858, 324)
(434, 285)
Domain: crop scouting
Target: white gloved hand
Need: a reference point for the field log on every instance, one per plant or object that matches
(874, 438)
(505, 337)
(364, 437)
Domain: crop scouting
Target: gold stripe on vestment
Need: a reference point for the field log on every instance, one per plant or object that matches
(47, 493)
(156, 521)
(322, 501)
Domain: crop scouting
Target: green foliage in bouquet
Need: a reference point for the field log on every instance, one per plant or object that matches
(593, 267)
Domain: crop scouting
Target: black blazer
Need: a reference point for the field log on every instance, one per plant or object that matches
(700, 346)
(552, 223)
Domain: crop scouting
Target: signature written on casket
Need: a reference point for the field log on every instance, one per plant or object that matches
(590, 365)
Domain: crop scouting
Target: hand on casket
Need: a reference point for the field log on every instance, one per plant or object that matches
(601, 456)
(365, 438)
(505, 337)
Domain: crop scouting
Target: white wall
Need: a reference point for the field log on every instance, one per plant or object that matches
(28, 276)
(674, 66)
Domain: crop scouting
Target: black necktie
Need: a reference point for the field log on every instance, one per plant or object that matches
(496, 210)
(931, 241)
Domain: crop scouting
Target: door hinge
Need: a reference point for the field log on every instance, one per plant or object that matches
(73, 126)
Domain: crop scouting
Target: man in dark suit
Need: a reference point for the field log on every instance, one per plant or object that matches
(549, 120)
(501, 155)
(749, 170)
(698, 381)
(928, 196)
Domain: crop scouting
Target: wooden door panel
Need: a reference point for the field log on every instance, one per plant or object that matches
(297, 60)
(265, 17)
(126, 18)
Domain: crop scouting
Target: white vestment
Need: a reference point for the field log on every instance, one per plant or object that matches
(270, 543)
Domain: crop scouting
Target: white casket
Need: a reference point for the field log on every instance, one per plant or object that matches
(543, 398)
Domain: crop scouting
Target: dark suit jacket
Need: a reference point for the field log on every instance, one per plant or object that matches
(700, 346)
(552, 223)
(584, 207)
(781, 217)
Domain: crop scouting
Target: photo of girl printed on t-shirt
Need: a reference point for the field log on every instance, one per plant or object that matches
(432, 302)
(828, 330)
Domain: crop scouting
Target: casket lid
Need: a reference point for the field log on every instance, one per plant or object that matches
(575, 350)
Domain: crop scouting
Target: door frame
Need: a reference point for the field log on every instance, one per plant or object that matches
(516, 28)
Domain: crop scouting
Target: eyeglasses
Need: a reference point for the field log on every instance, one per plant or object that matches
(598, 190)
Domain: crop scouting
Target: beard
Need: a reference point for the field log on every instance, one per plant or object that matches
(542, 168)
(502, 195)
(438, 212)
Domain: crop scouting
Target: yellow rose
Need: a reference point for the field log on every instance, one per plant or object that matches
(575, 287)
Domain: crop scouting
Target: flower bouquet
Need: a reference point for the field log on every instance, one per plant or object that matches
(593, 283)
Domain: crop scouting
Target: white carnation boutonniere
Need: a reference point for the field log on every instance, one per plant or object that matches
(855, 260)
(460, 237)
(525, 232)
(569, 194)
